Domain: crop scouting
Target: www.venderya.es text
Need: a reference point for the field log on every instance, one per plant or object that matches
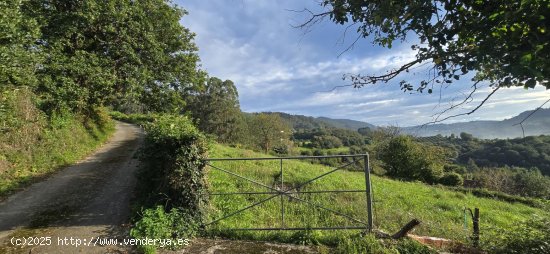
(95, 241)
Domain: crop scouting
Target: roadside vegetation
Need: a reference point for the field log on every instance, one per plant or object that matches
(33, 145)
(171, 192)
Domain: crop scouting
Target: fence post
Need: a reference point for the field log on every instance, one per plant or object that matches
(475, 221)
(368, 191)
(282, 198)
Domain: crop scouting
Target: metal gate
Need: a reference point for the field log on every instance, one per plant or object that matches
(360, 224)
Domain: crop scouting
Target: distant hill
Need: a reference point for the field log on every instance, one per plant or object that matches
(308, 122)
(537, 124)
(345, 123)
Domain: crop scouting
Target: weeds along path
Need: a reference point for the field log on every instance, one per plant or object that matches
(87, 201)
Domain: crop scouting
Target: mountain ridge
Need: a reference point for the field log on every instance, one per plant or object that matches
(537, 124)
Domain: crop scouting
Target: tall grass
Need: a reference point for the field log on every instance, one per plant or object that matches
(440, 210)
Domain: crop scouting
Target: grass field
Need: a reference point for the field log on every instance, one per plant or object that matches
(441, 211)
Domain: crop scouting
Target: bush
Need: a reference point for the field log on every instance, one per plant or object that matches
(306, 153)
(158, 224)
(318, 152)
(172, 175)
(514, 181)
(173, 155)
(531, 183)
(281, 149)
(132, 118)
(451, 179)
(33, 144)
(326, 142)
(531, 236)
(410, 160)
(455, 168)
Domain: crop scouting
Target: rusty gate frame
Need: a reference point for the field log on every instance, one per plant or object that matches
(288, 193)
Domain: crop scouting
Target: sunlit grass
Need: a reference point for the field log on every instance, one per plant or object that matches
(441, 211)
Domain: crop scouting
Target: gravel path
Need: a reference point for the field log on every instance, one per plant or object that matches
(87, 201)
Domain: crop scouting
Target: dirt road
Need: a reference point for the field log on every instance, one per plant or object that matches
(86, 202)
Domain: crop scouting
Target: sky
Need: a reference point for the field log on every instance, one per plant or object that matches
(278, 67)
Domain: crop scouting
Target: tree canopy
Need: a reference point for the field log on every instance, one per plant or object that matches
(505, 42)
(216, 110)
(410, 160)
(133, 55)
(17, 58)
(268, 130)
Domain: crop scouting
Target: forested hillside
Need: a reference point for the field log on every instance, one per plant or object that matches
(529, 152)
(301, 122)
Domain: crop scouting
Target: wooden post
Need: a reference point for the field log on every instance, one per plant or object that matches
(368, 191)
(282, 198)
(475, 221)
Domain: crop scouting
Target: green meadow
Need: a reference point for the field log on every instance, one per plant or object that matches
(440, 210)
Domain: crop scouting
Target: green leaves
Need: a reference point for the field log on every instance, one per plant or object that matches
(497, 39)
(133, 55)
(18, 59)
(215, 109)
(409, 160)
(173, 158)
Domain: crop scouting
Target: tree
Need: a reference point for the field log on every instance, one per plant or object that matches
(466, 136)
(383, 134)
(365, 131)
(348, 137)
(114, 53)
(451, 179)
(326, 142)
(532, 183)
(216, 109)
(410, 160)
(269, 129)
(18, 57)
(505, 42)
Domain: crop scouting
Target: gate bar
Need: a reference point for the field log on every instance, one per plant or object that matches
(293, 192)
(286, 158)
(312, 228)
